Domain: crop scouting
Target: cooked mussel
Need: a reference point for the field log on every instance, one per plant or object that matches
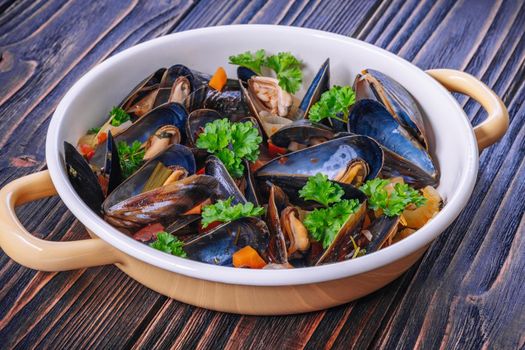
(319, 84)
(372, 84)
(218, 245)
(161, 127)
(142, 98)
(277, 248)
(403, 154)
(333, 158)
(300, 134)
(82, 178)
(136, 202)
(177, 83)
(226, 184)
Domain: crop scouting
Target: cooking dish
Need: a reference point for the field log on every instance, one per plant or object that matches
(453, 143)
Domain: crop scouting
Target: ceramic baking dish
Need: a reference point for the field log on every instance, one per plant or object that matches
(454, 144)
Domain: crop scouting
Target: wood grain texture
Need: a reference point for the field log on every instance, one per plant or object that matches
(467, 292)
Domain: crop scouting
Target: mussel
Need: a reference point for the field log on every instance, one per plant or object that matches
(161, 127)
(334, 158)
(300, 134)
(218, 245)
(142, 98)
(404, 155)
(136, 202)
(82, 178)
(196, 122)
(177, 83)
(226, 185)
(372, 84)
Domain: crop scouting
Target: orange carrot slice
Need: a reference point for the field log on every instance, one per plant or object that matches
(219, 79)
(248, 257)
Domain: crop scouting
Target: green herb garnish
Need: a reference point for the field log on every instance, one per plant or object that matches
(318, 188)
(285, 65)
(333, 103)
(168, 243)
(223, 211)
(131, 157)
(93, 131)
(118, 116)
(288, 70)
(249, 60)
(324, 224)
(231, 143)
(392, 203)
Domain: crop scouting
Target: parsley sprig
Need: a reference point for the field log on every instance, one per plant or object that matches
(170, 244)
(223, 211)
(333, 103)
(285, 65)
(324, 223)
(320, 189)
(131, 157)
(231, 143)
(118, 116)
(393, 203)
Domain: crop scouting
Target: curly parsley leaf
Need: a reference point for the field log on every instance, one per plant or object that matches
(285, 65)
(394, 202)
(324, 224)
(334, 103)
(288, 70)
(318, 188)
(249, 60)
(131, 157)
(118, 116)
(223, 211)
(170, 244)
(231, 143)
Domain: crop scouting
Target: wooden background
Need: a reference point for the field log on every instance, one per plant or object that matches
(468, 290)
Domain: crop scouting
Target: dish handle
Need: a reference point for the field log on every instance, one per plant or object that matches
(37, 253)
(494, 127)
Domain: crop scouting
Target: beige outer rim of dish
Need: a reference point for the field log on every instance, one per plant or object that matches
(44, 255)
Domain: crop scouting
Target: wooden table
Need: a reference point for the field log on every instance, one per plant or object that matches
(467, 292)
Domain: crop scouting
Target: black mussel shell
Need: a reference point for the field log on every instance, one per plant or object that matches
(219, 244)
(82, 178)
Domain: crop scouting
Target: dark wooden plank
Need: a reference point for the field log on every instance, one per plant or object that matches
(463, 293)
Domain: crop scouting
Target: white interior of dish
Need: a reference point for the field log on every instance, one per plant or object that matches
(87, 104)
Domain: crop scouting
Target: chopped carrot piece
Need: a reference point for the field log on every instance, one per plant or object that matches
(219, 79)
(201, 171)
(102, 137)
(198, 208)
(248, 257)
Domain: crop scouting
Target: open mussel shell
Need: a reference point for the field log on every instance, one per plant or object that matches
(277, 250)
(142, 98)
(372, 84)
(331, 158)
(82, 178)
(178, 82)
(369, 117)
(302, 132)
(196, 122)
(319, 84)
(227, 187)
(128, 206)
(167, 114)
(342, 244)
(381, 229)
(218, 245)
